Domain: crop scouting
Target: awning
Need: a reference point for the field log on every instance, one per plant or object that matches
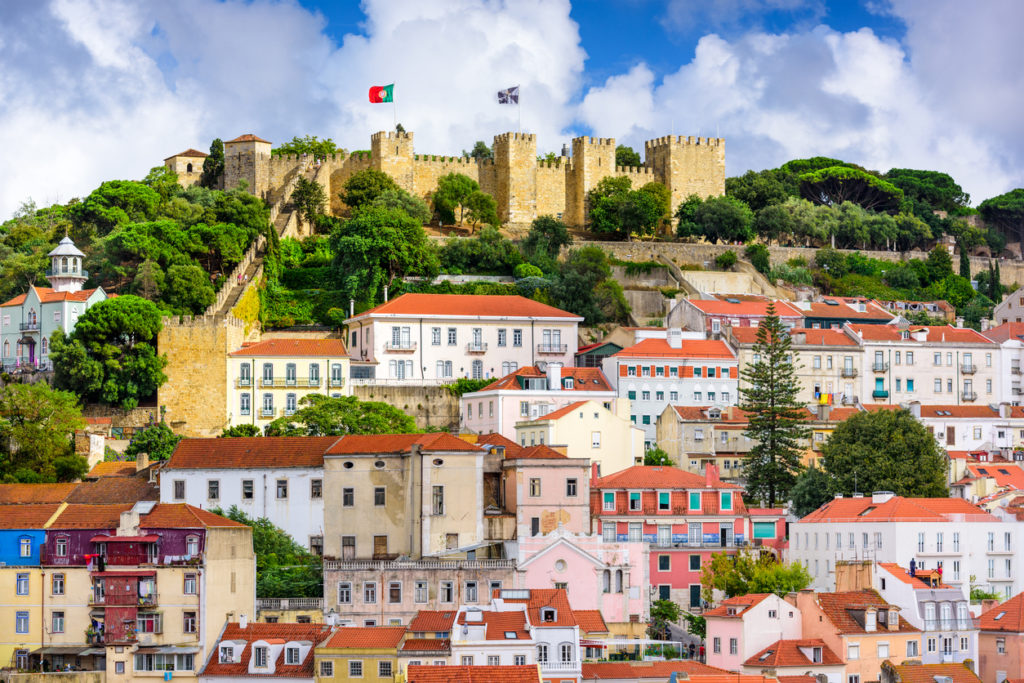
(60, 650)
(92, 651)
(168, 650)
(150, 538)
(592, 643)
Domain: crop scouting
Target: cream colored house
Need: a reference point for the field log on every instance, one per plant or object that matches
(269, 378)
(589, 430)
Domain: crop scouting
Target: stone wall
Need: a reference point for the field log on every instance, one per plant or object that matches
(136, 418)
(551, 187)
(430, 406)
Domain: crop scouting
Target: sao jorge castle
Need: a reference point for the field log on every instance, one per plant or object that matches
(523, 187)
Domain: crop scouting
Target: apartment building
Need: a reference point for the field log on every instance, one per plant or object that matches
(436, 338)
(712, 316)
(546, 490)
(834, 312)
(268, 379)
(247, 649)
(360, 654)
(1010, 309)
(1001, 641)
(930, 365)
(1010, 337)
(987, 427)
(742, 626)
(656, 373)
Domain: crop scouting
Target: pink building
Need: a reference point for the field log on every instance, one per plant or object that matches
(683, 517)
(546, 490)
(741, 627)
(1001, 641)
(712, 315)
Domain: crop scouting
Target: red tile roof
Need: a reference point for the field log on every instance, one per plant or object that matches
(898, 509)
(184, 516)
(424, 673)
(744, 308)
(255, 631)
(538, 452)
(321, 348)
(90, 517)
(113, 468)
(427, 620)
(547, 597)
(936, 334)
(426, 645)
(399, 443)
(115, 490)
(47, 296)
(35, 493)
(250, 452)
(561, 412)
(590, 621)
(661, 670)
(501, 623)
(26, 515)
(497, 440)
(740, 604)
(653, 477)
(1005, 331)
(813, 337)
(845, 311)
(468, 305)
(690, 348)
(248, 137)
(369, 637)
(929, 673)
(788, 653)
(188, 153)
(951, 411)
(838, 607)
(1006, 616)
(1008, 474)
(903, 575)
(584, 379)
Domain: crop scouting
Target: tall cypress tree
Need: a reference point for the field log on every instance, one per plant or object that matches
(965, 264)
(776, 417)
(997, 285)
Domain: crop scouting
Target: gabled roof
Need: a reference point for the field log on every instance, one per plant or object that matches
(735, 608)
(369, 637)
(936, 334)
(838, 607)
(26, 515)
(427, 673)
(1004, 473)
(903, 576)
(583, 379)
(254, 631)
(500, 624)
(426, 645)
(35, 493)
(248, 137)
(788, 653)
(115, 490)
(1004, 332)
(467, 306)
(812, 337)
(48, 296)
(660, 670)
(294, 348)
(112, 468)
(654, 477)
(898, 509)
(497, 440)
(353, 444)
(983, 412)
(90, 516)
(744, 308)
(546, 597)
(184, 516)
(194, 153)
(250, 452)
(590, 621)
(538, 452)
(1006, 616)
(561, 412)
(689, 348)
(930, 673)
(428, 620)
(843, 310)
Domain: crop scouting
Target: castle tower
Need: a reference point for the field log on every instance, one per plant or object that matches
(247, 158)
(391, 152)
(592, 160)
(688, 165)
(66, 274)
(515, 165)
(188, 165)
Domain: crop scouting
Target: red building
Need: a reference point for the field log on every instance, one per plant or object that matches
(684, 517)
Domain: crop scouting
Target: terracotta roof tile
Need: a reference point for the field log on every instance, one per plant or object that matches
(426, 645)
(427, 620)
(321, 348)
(590, 620)
(734, 608)
(936, 334)
(468, 305)
(639, 670)
(399, 443)
(812, 337)
(192, 153)
(1008, 474)
(115, 490)
(254, 631)
(1006, 616)
(35, 493)
(561, 412)
(184, 516)
(547, 597)
(903, 575)
(369, 637)
(837, 608)
(424, 673)
(745, 308)
(653, 477)
(499, 624)
(497, 440)
(898, 509)
(248, 137)
(788, 653)
(1004, 332)
(689, 348)
(250, 452)
(584, 379)
(844, 309)
(929, 673)
(938, 411)
(47, 296)
(26, 515)
(113, 468)
(90, 516)
(538, 452)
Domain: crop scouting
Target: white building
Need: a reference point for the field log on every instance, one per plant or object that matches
(656, 373)
(1010, 337)
(967, 541)
(972, 427)
(30, 319)
(436, 338)
(280, 478)
(1010, 309)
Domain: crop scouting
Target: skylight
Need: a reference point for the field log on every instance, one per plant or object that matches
(732, 300)
(766, 655)
(511, 635)
(1000, 616)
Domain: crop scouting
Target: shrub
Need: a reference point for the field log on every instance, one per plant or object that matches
(726, 260)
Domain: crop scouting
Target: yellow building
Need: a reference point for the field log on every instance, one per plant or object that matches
(268, 379)
(589, 430)
(360, 653)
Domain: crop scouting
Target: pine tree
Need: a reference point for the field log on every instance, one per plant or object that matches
(776, 417)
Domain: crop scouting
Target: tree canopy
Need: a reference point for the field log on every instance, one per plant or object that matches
(36, 430)
(838, 184)
(310, 199)
(750, 572)
(319, 415)
(365, 186)
(308, 144)
(544, 242)
(937, 190)
(157, 441)
(627, 156)
(1005, 212)
(618, 210)
(213, 166)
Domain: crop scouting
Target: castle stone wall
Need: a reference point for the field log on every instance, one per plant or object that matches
(551, 187)
(430, 406)
(180, 166)
(427, 169)
(248, 161)
(688, 165)
(515, 163)
(340, 169)
(281, 168)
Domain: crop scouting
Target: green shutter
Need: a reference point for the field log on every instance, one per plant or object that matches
(764, 529)
(695, 500)
(726, 500)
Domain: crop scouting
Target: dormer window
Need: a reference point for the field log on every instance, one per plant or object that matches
(260, 657)
(227, 654)
(894, 618)
(568, 383)
(291, 656)
(870, 621)
(548, 614)
(816, 655)
(511, 635)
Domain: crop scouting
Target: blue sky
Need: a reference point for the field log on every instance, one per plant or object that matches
(98, 89)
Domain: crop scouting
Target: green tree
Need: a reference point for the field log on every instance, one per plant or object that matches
(935, 189)
(319, 415)
(965, 264)
(36, 430)
(467, 385)
(663, 613)
(309, 144)
(213, 166)
(940, 264)
(760, 189)
(885, 450)
(1005, 212)
(724, 219)
(813, 488)
(149, 280)
(284, 569)
(750, 572)
(838, 184)
(584, 286)
(111, 355)
(480, 151)
(686, 217)
(489, 252)
(759, 257)
(605, 199)
(726, 260)
(696, 625)
(164, 181)
(776, 418)
(400, 199)
(158, 441)
(365, 186)
(113, 203)
(544, 242)
(773, 222)
(453, 192)
(375, 247)
(188, 289)
(241, 430)
(310, 199)
(658, 457)
(481, 208)
(627, 156)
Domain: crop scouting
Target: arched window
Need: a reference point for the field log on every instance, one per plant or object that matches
(618, 580)
(565, 653)
(188, 167)
(46, 345)
(64, 264)
(606, 581)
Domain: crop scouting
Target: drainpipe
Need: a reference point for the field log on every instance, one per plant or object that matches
(42, 615)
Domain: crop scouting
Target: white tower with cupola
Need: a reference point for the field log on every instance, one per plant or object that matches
(66, 274)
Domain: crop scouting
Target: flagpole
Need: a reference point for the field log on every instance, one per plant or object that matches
(394, 108)
(519, 108)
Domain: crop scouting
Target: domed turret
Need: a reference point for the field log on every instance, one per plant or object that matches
(66, 274)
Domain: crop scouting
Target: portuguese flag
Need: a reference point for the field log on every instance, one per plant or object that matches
(382, 93)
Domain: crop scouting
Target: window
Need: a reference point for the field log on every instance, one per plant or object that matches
(912, 649)
(345, 593)
(57, 622)
(517, 337)
(437, 500)
(471, 591)
(664, 502)
(695, 500)
(565, 653)
(379, 496)
(726, 500)
(22, 584)
(634, 500)
(452, 336)
(931, 644)
(883, 650)
(920, 542)
(910, 384)
(383, 669)
(570, 488)
(733, 646)
(645, 396)
(1000, 644)
(355, 668)
(938, 385)
(447, 592)
(316, 545)
(188, 624)
(21, 622)
(148, 622)
(419, 594)
(369, 592)
(395, 592)
(716, 645)
(190, 584)
(519, 660)
(348, 497)
(179, 489)
(57, 584)
(282, 488)
(290, 404)
(493, 660)
(853, 678)
(635, 532)
(664, 563)
(673, 395)
(213, 489)
(467, 660)
(326, 668)
(478, 369)
(608, 532)
(435, 336)
(853, 651)
(191, 546)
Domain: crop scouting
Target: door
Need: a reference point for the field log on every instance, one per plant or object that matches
(725, 535)
(664, 592)
(380, 546)
(695, 595)
(534, 526)
(950, 436)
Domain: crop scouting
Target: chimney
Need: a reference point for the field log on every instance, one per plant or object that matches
(711, 475)
(554, 371)
(985, 324)
(243, 621)
(675, 338)
(385, 293)
(959, 321)
(351, 308)
(595, 471)
(879, 497)
(141, 461)
(824, 411)
(988, 604)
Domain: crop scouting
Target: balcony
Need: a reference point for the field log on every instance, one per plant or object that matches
(848, 372)
(243, 382)
(50, 272)
(476, 347)
(880, 393)
(969, 396)
(289, 382)
(29, 327)
(263, 604)
(879, 367)
(551, 348)
(968, 368)
(337, 381)
(400, 347)
(559, 666)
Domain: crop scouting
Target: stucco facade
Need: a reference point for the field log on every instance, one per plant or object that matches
(742, 626)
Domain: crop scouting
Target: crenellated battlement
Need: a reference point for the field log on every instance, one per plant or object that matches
(434, 158)
(202, 321)
(391, 135)
(555, 163)
(635, 170)
(683, 140)
(587, 140)
(516, 137)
